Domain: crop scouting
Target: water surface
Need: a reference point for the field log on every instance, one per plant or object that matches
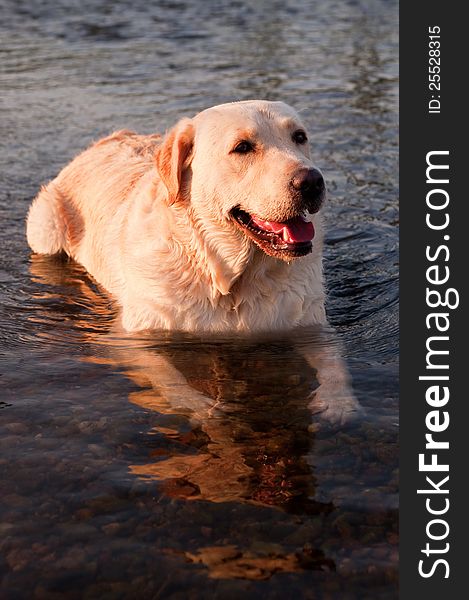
(110, 490)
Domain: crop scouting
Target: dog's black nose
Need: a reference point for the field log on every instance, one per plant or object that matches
(310, 184)
(308, 181)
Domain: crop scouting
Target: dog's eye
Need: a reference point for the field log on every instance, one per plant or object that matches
(243, 147)
(299, 137)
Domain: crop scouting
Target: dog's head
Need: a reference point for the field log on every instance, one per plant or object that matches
(245, 169)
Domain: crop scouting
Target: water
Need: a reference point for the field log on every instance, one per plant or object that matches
(107, 489)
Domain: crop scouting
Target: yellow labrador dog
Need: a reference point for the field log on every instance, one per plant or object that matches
(212, 228)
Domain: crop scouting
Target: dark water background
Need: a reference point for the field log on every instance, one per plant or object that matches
(109, 491)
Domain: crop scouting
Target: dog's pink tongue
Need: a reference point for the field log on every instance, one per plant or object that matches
(293, 230)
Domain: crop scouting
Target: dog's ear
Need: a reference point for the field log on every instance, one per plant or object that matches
(173, 156)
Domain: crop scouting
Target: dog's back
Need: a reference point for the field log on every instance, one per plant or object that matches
(69, 213)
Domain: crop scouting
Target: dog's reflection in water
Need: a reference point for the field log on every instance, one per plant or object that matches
(251, 420)
(251, 405)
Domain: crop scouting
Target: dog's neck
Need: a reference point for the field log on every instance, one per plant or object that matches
(230, 265)
(220, 253)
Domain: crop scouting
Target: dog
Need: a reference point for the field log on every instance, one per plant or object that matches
(214, 227)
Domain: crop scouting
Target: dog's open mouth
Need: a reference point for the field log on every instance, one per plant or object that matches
(289, 239)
